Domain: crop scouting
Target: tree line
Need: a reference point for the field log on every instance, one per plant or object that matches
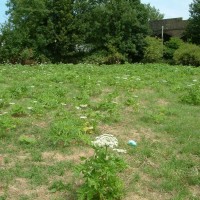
(107, 31)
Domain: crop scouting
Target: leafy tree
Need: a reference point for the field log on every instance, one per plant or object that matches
(154, 50)
(153, 13)
(45, 26)
(187, 54)
(117, 26)
(192, 31)
(21, 30)
(170, 47)
(64, 30)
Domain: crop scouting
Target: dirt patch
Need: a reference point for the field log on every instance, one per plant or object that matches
(123, 132)
(162, 102)
(133, 196)
(42, 193)
(146, 91)
(75, 156)
(1, 160)
(1, 190)
(99, 98)
(23, 157)
(21, 187)
(41, 124)
(195, 190)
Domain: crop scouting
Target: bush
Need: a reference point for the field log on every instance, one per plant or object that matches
(66, 131)
(170, 47)
(191, 95)
(187, 54)
(27, 57)
(100, 172)
(97, 57)
(104, 57)
(154, 50)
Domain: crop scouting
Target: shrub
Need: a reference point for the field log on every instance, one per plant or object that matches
(6, 125)
(103, 57)
(97, 57)
(170, 47)
(18, 111)
(154, 50)
(100, 171)
(187, 54)
(67, 130)
(27, 56)
(191, 95)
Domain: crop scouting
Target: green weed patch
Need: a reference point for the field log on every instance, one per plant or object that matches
(49, 114)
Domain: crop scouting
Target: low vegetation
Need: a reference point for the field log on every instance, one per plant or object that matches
(49, 114)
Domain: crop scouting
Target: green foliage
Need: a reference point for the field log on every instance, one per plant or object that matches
(6, 125)
(187, 54)
(193, 27)
(18, 111)
(153, 13)
(25, 139)
(101, 181)
(66, 130)
(63, 31)
(154, 50)
(170, 47)
(147, 100)
(191, 94)
(59, 186)
(18, 91)
(120, 24)
(104, 57)
(97, 57)
(26, 56)
(114, 57)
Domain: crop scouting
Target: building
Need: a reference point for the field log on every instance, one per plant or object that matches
(173, 27)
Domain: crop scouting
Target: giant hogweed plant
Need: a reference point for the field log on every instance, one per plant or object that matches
(100, 172)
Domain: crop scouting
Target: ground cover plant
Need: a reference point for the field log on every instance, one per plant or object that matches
(49, 114)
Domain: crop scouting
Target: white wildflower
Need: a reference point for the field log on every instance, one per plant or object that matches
(83, 117)
(120, 150)
(78, 108)
(11, 103)
(106, 140)
(83, 105)
(190, 85)
(29, 108)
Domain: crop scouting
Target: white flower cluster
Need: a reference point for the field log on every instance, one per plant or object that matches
(120, 150)
(106, 140)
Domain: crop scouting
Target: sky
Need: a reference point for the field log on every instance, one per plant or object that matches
(170, 8)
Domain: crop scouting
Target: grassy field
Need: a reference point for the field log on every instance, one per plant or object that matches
(48, 113)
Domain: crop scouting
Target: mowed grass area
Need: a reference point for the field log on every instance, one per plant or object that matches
(49, 113)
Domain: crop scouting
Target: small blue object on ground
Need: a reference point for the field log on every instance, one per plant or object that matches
(132, 143)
